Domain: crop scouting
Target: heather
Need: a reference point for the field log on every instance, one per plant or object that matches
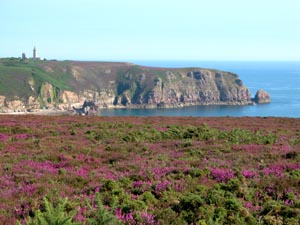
(158, 170)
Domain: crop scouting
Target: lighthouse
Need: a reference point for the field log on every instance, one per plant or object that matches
(34, 53)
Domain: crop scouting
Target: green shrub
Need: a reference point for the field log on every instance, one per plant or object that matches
(167, 216)
(294, 173)
(215, 197)
(149, 198)
(53, 214)
(100, 215)
(233, 205)
(190, 201)
(232, 185)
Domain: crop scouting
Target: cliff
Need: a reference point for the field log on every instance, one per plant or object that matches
(32, 84)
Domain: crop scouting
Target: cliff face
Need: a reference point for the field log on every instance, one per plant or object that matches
(67, 84)
(182, 87)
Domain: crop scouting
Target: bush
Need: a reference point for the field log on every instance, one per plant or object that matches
(53, 214)
(191, 202)
(100, 216)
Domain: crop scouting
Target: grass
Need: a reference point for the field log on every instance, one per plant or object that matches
(15, 77)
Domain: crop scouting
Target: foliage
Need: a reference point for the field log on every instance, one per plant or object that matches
(101, 216)
(53, 215)
(149, 170)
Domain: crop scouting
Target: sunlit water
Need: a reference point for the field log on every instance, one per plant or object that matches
(280, 79)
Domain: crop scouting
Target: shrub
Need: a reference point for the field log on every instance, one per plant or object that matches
(53, 214)
(191, 201)
(100, 216)
(168, 216)
(232, 186)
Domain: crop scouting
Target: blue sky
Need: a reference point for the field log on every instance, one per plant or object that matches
(151, 29)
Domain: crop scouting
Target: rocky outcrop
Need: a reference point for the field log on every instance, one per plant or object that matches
(15, 105)
(262, 97)
(2, 101)
(69, 99)
(64, 85)
(88, 108)
(33, 103)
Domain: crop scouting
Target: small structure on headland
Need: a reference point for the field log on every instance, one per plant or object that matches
(24, 56)
(34, 52)
(88, 108)
(34, 55)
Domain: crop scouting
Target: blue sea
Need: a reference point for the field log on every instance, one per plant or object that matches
(280, 79)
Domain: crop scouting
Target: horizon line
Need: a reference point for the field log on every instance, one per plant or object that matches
(161, 60)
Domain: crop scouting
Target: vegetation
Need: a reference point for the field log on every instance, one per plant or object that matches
(25, 78)
(52, 214)
(157, 170)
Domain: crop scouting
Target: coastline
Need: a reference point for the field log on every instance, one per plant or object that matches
(59, 112)
(42, 112)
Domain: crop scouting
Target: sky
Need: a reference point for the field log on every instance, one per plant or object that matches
(124, 30)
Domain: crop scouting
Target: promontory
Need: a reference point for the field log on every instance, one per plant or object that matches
(28, 85)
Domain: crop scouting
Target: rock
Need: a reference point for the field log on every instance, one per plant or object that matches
(16, 105)
(88, 108)
(106, 99)
(2, 101)
(69, 99)
(47, 94)
(261, 97)
(33, 103)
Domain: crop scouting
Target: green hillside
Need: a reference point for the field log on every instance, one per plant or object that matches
(24, 78)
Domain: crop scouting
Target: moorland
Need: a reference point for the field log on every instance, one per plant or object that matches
(149, 170)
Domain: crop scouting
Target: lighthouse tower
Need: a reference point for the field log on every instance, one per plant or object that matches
(34, 53)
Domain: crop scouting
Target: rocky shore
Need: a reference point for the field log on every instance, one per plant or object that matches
(86, 111)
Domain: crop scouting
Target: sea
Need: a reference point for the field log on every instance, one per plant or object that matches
(280, 79)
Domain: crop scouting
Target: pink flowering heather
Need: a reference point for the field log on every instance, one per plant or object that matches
(137, 184)
(276, 170)
(83, 172)
(21, 136)
(251, 207)
(148, 181)
(289, 202)
(46, 166)
(4, 137)
(249, 174)
(293, 166)
(126, 218)
(222, 175)
(162, 186)
(148, 219)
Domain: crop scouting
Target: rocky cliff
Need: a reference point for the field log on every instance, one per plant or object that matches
(30, 85)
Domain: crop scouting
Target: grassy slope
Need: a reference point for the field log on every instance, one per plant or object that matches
(16, 76)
